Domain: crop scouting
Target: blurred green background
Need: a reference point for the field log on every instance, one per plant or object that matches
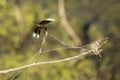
(90, 19)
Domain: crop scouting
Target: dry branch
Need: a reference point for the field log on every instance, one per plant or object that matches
(94, 47)
(41, 63)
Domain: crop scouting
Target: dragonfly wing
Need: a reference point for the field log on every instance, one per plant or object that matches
(46, 21)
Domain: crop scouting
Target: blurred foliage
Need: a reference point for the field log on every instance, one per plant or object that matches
(90, 19)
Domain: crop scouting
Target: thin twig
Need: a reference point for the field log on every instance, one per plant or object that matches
(41, 63)
(42, 45)
(13, 77)
(63, 43)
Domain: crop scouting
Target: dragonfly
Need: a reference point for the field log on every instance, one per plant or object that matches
(41, 26)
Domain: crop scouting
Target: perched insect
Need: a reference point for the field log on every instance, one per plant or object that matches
(41, 26)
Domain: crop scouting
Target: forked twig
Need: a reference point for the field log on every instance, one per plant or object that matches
(36, 55)
(88, 49)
